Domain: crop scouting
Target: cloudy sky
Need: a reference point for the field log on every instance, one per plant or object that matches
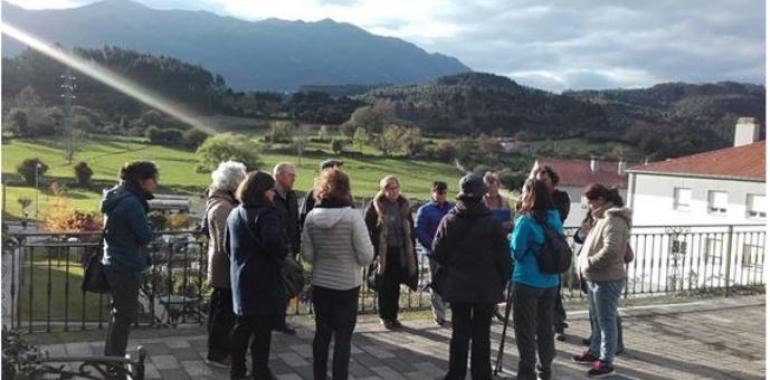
(554, 45)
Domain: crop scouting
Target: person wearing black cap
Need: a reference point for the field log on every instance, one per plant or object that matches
(471, 250)
(309, 202)
(428, 218)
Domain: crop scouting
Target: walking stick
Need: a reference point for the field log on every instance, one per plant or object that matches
(508, 302)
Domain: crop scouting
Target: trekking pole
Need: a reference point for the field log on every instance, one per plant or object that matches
(508, 305)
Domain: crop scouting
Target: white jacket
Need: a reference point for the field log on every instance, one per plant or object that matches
(336, 242)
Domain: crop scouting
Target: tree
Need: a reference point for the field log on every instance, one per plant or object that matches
(390, 139)
(323, 133)
(193, 138)
(411, 141)
(24, 202)
(299, 143)
(224, 147)
(168, 136)
(360, 138)
(281, 132)
(83, 174)
(19, 122)
(446, 150)
(27, 98)
(337, 145)
(27, 169)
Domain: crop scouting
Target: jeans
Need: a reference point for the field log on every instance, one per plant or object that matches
(559, 314)
(336, 312)
(436, 303)
(125, 301)
(533, 326)
(220, 323)
(603, 300)
(470, 322)
(258, 329)
(390, 289)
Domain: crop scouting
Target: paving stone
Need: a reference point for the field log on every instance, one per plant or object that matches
(293, 359)
(304, 350)
(177, 343)
(387, 373)
(165, 362)
(196, 368)
(151, 371)
(78, 349)
(430, 369)
(186, 354)
(289, 376)
(159, 348)
(174, 374)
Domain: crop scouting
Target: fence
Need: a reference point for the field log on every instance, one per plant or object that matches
(42, 275)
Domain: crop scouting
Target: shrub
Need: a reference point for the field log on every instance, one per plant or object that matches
(224, 147)
(337, 145)
(83, 174)
(27, 169)
(164, 136)
(193, 138)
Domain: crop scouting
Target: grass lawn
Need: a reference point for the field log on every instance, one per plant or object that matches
(105, 155)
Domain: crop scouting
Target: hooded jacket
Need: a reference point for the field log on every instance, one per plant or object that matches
(375, 217)
(336, 242)
(218, 206)
(601, 257)
(471, 247)
(127, 230)
(526, 243)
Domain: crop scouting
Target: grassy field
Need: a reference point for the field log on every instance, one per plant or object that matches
(105, 155)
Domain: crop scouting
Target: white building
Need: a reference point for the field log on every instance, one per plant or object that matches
(575, 175)
(725, 186)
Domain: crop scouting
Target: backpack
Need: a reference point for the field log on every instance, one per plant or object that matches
(556, 256)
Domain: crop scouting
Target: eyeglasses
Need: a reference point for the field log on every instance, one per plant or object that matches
(392, 188)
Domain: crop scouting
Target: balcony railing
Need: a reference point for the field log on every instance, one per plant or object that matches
(42, 274)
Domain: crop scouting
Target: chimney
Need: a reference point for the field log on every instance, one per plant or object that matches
(746, 131)
(621, 168)
(593, 165)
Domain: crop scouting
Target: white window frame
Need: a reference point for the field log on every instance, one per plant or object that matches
(720, 211)
(754, 213)
(682, 206)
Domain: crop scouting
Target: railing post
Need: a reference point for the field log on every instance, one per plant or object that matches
(728, 268)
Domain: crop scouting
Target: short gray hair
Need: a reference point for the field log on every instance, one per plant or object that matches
(282, 167)
(228, 175)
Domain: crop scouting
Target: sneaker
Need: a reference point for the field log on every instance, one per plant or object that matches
(586, 358)
(396, 324)
(561, 337)
(601, 369)
(222, 363)
(587, 341)
(387, 323)
(286, 330)
(620, 350)
(440, 322)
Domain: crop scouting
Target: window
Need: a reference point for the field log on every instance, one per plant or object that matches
(712, 251)
(752, 256)
(679, 246)
(682, 198)
(717, 202)
(755, 206)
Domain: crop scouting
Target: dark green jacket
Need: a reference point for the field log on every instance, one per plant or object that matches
(128, 230)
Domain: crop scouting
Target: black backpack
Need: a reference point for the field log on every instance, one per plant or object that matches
(556, 256)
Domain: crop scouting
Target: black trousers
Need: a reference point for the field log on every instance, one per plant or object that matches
(390, 289)
(470, 322)
(125, 302)
(336, 312)
(256, 328)
(533, 327)
(559, 314)
(220, 323)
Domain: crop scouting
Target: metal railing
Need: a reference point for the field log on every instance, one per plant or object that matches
(42, 273)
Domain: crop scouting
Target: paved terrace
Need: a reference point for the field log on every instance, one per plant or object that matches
(711, 339)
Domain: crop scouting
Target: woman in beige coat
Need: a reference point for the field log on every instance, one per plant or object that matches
(602, 266)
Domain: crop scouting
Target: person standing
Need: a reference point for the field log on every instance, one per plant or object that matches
(126, 234)
(474, 264)
(602, 265)
(256, 242)
(287, 205)
(534, 292)
(309, 202)
(220, 201)
(336, 242)
(428, 218)
(390, 224)
(496, 202)
(562, 203)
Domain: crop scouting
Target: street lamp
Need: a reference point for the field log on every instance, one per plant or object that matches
(38, 166)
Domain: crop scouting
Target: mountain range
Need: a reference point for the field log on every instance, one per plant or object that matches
(271, 54)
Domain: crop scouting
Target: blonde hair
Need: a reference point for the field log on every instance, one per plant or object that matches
(384, 182)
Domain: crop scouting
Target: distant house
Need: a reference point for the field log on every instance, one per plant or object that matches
(725, 186)
(575, 175)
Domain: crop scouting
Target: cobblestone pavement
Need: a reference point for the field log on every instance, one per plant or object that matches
(715, 339)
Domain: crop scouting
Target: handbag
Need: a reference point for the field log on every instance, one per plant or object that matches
(373, 278)
(94, 278)
(628, 255)
(292, 273)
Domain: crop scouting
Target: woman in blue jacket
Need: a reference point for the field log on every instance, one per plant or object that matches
(534, 292)
(256, 242)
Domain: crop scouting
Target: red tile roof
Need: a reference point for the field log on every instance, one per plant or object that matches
(746, 162)
(578, 173)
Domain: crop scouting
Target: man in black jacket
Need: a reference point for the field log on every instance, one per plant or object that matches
(474, 261)
(287, 204)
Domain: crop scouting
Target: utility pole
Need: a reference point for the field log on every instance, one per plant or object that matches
(69, 94)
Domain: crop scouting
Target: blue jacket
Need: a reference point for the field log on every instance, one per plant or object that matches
(128, 230)
(256, 241)
(526, 242)
(428, 218)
